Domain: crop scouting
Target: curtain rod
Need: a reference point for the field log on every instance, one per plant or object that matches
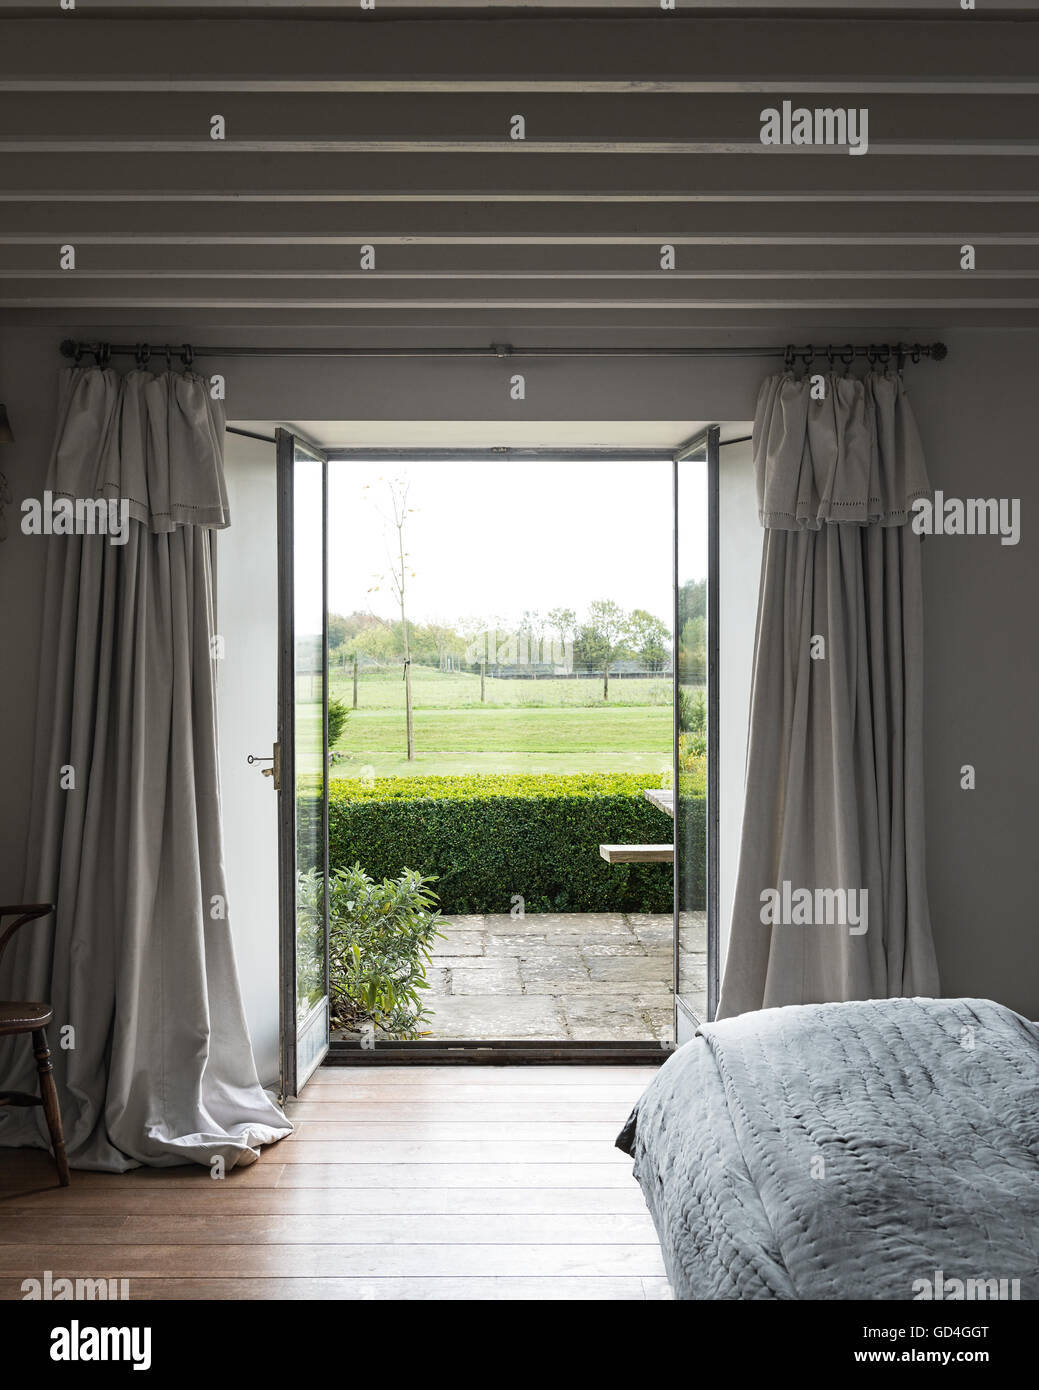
(835, 352)
(380, 452)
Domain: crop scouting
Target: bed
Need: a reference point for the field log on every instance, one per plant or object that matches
(879, 1150)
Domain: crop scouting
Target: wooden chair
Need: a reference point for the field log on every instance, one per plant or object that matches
(17, 1016)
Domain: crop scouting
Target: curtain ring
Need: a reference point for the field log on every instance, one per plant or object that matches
(141, 354)
(169, 358)
(848, 356)
(106, 354)
(915, 354)
(79, 353)
(788, 357)
(829, 355)
(187, 356)
(901, 360)
(871, 355)
(808, 356)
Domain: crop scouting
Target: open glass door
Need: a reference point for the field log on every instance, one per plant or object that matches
(695, 779)
(301, 761)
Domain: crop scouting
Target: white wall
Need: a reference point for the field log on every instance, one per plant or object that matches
(247, 595)
(739, 563)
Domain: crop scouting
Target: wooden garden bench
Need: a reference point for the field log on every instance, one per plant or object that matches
(638, 854)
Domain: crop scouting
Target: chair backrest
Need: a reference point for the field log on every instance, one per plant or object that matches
(25, 912)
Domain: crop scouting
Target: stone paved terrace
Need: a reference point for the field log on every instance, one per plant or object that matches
(583, 975)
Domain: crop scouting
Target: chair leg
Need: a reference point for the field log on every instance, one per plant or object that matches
(49, 1095)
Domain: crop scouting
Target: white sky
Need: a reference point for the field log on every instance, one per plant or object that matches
(491, 539)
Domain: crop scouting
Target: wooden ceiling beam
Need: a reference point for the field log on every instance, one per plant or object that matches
(298, 119)
(814, 173)
(568, 262)
(534, 222)
(736, 292)
(389, 326)
(511, 9)
(63, 53)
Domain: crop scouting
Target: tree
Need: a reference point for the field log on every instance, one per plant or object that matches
(445, 642)
(692, 711)
(398, 579)
(351, 651)
(398, 576)
(692, 601)
(649, 638)
(422, 644)
(692, 651)
(604, 634)
(340, 630)
(531, 634)
(338, 714)
(343, 629)
(564, 621)
(474, 648)
(379, 643)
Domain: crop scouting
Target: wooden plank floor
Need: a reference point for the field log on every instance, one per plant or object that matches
(398, 1183)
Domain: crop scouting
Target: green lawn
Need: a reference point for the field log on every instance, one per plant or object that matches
(457, 690)
(484, 730)
(550, 726)
(430, 764)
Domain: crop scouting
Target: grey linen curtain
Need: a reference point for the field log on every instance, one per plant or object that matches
(151, 1049)
(834, 788)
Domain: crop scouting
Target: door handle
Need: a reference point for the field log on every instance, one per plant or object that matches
(274, 770)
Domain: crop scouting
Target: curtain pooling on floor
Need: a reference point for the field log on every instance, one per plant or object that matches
(155, 1065)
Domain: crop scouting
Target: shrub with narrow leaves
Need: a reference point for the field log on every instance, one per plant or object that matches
(381, 937)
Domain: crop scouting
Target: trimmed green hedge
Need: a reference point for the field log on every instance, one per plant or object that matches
(477, 786)
(489, 838)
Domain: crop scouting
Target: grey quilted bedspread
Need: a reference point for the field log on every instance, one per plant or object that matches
(846, 1151)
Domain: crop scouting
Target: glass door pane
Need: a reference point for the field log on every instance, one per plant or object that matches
(302, 762)
(508, 737)
(695, 802)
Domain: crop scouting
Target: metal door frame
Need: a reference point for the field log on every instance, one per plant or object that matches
(287, 442)
(708, 445)
(523, 1050)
